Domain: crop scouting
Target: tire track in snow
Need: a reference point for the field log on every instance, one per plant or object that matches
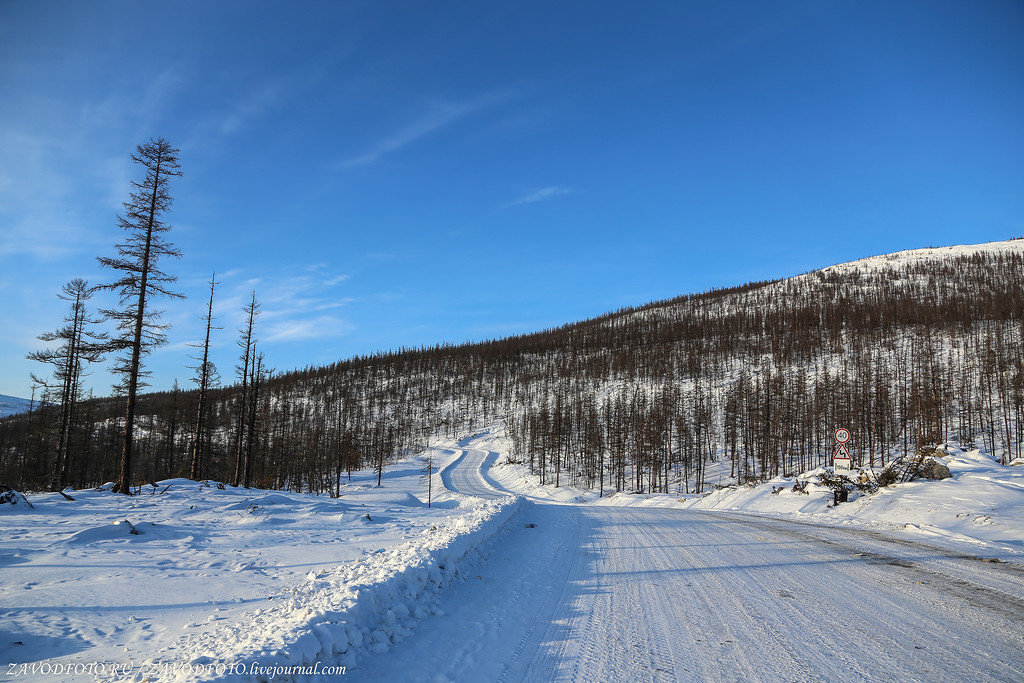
(540, 620)
(649, 594)
(748, 615)
(963, 574)
(677, 595)
(467, 475)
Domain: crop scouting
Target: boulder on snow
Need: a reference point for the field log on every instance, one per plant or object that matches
(910, 467)
(934, 468)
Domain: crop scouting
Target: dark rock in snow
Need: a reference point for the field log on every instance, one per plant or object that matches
(934, 468)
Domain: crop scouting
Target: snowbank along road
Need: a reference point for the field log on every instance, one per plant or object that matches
(653, 594)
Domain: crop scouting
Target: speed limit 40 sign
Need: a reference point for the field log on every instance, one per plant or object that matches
(842, 462)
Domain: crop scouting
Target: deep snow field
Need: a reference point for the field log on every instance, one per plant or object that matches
(223, 571)
(217, 578)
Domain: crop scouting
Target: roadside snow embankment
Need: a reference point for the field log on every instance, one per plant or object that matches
(341, 614)
(977, 509)
(980, 505)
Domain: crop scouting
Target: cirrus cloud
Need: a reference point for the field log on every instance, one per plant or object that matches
(541, 195)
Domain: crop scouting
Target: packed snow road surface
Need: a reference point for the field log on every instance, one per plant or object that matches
(468, 475)
(650, 594)
(669, 595)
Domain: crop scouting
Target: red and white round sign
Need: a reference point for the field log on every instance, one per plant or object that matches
(842, 435)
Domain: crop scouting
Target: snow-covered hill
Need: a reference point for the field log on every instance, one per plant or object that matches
(902, 259)
(10, 405)
(910, 349)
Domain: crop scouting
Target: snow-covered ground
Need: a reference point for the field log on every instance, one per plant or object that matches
(549, 584)
(900, 259)
(190, 577)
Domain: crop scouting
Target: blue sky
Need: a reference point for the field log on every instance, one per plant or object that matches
(390, 174)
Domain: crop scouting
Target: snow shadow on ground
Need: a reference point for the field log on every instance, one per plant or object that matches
(21, 648)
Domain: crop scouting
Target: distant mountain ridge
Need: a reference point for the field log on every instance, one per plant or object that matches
(11, 405)
(742, 384)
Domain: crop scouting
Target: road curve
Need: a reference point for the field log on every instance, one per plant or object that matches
(468, 475)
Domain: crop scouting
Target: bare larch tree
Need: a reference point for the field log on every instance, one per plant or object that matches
(205, 378)
(79, 346)
(247, 343)
(140, 279)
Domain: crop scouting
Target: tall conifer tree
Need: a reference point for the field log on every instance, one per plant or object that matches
(139, 280)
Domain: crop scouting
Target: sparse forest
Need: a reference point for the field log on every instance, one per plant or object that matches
(750, 382)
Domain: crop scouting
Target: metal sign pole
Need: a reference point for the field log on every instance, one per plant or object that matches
(842, 463)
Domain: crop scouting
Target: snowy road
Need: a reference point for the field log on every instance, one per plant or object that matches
(648, 594)
(675, 595)
(468, 475)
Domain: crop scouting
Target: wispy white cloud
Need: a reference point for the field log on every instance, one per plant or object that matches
(40, 204)
(541, 195)
(128, 109)
(320, 327)
(47, 238)
(65, 167)
(244, 102)
(437, 116)
(252, 106)
(160, 91)
(297, 306)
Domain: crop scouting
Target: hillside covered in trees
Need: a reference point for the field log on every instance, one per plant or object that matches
(907, 351)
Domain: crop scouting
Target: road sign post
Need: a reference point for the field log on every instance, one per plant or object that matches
(842, 462)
